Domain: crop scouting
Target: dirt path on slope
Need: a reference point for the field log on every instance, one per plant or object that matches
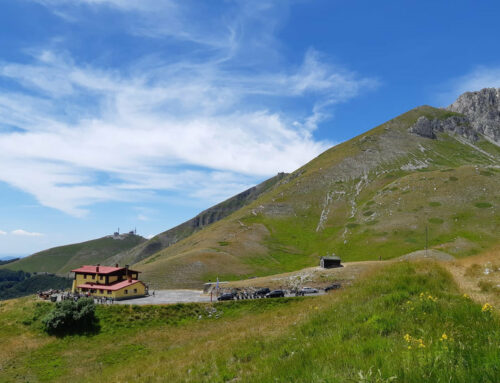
(479, 276)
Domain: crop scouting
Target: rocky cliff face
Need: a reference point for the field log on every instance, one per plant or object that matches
(455, 124)
(482, 108)
(474, 114)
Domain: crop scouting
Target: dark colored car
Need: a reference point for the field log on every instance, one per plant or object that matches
(262, 292)
(226, 297)
(335, 286)
(275, 294)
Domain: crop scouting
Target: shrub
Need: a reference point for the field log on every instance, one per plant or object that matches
(483, 205)
(69, 317)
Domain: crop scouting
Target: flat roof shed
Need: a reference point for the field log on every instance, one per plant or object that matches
(330, 262)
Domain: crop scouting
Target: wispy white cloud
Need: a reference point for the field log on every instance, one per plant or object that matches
(3, 232)
(85, 134)
(479, 78)
(25, 233)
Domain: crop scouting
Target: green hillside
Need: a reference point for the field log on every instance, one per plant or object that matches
(62, 259)
(202, 220)
(402, 323)
(368, 198)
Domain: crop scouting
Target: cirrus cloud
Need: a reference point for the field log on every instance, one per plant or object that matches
(74, 134)
(25, 233)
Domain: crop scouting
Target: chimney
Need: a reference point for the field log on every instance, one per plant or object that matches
(97, 268)
(126, 272)
(116, 265)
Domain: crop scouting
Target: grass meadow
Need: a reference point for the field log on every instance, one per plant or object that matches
(406, 322)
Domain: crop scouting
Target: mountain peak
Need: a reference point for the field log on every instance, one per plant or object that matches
(482, 108)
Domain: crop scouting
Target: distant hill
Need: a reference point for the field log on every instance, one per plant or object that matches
(62, 259)
(9, 260)
(14, 284)
(371, 197)
(202, 220)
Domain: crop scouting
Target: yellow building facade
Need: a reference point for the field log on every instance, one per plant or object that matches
(110, 282)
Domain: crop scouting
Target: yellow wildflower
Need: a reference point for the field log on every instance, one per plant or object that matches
(444, 336)
(487, 308)
(466, 296)
(407, 337)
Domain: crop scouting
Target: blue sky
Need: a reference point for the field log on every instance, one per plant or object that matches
(127, 114)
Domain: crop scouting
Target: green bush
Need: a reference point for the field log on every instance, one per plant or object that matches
(483, 205)
(69, 317)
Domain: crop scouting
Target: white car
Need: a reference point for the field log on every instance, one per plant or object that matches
(309, 290)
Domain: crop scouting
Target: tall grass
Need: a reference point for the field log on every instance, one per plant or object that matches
(404, 323)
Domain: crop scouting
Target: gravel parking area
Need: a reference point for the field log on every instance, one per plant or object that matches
(179, 296)
(168, 296)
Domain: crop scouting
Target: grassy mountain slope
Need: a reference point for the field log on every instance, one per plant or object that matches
(202, 220)
(368, 198)
(407, 321)
(62, 259)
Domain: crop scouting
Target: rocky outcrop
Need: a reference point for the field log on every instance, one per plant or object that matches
(459, 125)
(423, 127)
(477, 113)
(482, 108)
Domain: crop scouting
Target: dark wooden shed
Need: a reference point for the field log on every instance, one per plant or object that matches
(330, 262)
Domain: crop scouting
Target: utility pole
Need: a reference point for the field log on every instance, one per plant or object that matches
(426, 239)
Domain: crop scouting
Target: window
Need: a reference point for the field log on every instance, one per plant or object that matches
(126, 291)
(84, 276)
(109, 292)
(93, 276)
(101, 291)
(100, 277)
(135, 290)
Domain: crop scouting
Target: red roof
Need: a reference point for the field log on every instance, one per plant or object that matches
(116, 286)
(102, 269)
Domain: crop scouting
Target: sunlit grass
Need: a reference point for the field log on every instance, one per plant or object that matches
(366, 329)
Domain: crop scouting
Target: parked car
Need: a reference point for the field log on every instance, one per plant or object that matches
(226, 297)
(275, 294)
(262, 292)
(335, 286)
(308, 290)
